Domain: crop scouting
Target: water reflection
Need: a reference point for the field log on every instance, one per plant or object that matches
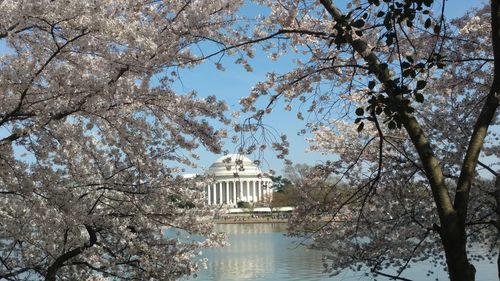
(249, 255)
(262, 252)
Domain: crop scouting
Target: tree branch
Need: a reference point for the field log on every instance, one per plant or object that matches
(422, 145)
(59, 262)
(485, 118)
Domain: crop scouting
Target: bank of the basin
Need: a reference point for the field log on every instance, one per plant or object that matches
(261, 251)
(250, 219)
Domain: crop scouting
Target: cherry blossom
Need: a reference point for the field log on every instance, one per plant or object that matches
(92, 138)
(407, 100)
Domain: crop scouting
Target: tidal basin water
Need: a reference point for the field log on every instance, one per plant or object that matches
(263, 252)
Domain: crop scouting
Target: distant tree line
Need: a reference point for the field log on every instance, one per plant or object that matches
(290, 187)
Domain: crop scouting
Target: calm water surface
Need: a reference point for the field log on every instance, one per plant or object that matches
(263, 252)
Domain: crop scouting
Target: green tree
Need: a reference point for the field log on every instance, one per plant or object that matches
(279, 183)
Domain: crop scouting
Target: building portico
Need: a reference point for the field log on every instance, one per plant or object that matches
(237, 178)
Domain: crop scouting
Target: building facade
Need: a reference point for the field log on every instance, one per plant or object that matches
(237, 178)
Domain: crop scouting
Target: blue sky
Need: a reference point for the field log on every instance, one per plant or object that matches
(235, 82)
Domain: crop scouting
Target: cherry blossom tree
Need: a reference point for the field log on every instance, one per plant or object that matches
(90, 131)
(92, 138)
(406, 98)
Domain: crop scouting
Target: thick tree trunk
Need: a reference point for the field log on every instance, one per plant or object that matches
(459, 267)
(452, 230)
(495, 34)
(497, 200)
(451, 215)
(454, 240)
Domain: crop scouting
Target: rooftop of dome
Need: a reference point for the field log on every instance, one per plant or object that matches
(231, 158)
(234, 165)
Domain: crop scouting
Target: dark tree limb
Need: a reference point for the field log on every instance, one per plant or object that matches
(62, 259)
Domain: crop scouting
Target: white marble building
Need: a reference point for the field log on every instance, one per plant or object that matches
(237, 178)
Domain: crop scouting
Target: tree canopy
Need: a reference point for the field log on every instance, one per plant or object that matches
(407, 99)
(91, 133)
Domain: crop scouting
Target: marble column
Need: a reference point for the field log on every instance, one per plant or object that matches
(240, 192)
(262, 191)
(212, 194)
(234, 192)
(245, 190)
(266, 192)
(226, 186)
(254, 192)
(249, 188)
(257, 191)
(217, 192)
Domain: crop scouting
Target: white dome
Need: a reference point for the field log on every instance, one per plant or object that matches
(234, 165)
(237, 178)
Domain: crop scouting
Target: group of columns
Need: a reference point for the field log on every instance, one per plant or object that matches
(229, 192)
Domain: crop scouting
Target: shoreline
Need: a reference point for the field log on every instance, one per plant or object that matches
(249, 221)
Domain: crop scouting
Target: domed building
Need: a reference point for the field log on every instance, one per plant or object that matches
(237, 178)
